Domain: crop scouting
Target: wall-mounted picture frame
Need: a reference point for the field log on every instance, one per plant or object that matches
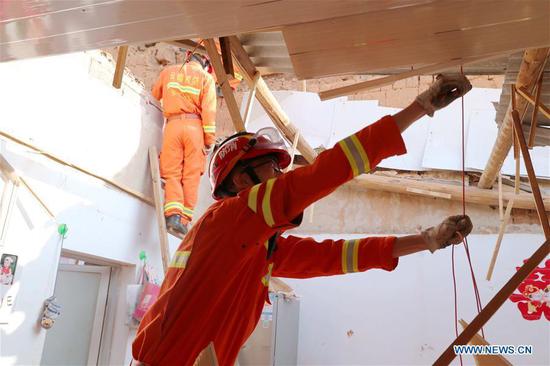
(8, 265)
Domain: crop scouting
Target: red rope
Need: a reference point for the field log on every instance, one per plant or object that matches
(464, 240)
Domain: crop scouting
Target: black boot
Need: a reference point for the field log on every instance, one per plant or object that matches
(175, 227)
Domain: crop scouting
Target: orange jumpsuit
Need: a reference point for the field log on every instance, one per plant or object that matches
(217, 282)
(189, 102)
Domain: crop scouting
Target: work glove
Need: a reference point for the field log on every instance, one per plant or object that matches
(445, 89)
(451, 231)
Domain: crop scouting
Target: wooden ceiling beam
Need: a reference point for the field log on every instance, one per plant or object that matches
(377, 83)
(268, 101)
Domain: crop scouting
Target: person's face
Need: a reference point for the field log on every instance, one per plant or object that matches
(6, 262)
(265, 167)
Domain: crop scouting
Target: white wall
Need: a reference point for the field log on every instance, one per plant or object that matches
(406, 317)
(60, 105)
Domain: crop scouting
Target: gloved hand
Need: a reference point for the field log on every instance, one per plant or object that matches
(450, 231)
(443, 92)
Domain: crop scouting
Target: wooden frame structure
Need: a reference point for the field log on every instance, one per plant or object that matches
(496, 302)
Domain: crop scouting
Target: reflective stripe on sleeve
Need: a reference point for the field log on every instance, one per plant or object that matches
(356, 155)
(350, 256)
(180, 259)
(266, 203)
(253, 198)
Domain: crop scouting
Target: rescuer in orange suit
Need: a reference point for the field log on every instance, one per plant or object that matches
(217, 283)
(188, 94)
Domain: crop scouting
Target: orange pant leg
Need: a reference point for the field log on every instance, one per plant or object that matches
(171, 167)
(194, 161)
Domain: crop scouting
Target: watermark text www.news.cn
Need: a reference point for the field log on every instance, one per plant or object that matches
(506, 349)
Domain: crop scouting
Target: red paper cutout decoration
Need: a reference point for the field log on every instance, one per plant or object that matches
(533, 298)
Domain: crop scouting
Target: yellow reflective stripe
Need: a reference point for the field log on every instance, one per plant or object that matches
(350, 158)
(356, 155)
(172, 205)
(266, 244)
(253, 198)
(188, 211)
(362, 153)
(211, 128)
(266, 203)
(180, 259)
(350, 256)
(267, 277)
(182, 88)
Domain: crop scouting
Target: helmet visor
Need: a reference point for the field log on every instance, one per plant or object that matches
(268, 138)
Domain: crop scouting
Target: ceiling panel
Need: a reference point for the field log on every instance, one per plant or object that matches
(39, 28)
(416, 36)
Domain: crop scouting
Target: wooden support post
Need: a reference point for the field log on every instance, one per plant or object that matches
(268, 101)
(250, 100)
(503, 224)
(532, 177)
(159, 208)
(500, 204)
(515, 145)
(496, 302)
(533, 130)
(224, 85)
(529, 98)
(120, 63)
(225, 47)
(377, 83)
(37, 197)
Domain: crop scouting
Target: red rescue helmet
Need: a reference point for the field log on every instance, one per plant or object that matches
(244, 146)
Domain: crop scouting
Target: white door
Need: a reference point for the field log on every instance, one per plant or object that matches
(75, 337)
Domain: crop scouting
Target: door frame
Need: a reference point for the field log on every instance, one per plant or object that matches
(100, 308)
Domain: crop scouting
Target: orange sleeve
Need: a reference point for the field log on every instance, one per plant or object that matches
(157, 88)
(304, 257)
(208, 110)
(280, 201)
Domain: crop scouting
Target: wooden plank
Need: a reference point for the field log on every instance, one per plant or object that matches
(484, 360)
(224, 85)
(529, 98)
(207, 357)
(268, 101)
(120, 64)
(543, 217)
(8, 170)
(225, 46)
(189, 45)
(129, 191)
(448, 30)
(533, 130)
(37, 197)
(496, 302)
(502, 228)
(159, 208)
(474, 195)
(377, 83)
(251, 98)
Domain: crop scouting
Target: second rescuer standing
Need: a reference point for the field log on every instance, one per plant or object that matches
(188, 94)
